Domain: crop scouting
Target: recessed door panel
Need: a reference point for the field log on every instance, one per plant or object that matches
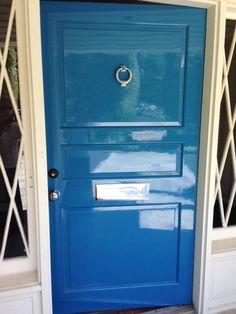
(115, 256)
(80, 161)
(148, 50)
(123, 100)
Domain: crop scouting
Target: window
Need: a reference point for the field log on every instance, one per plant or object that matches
(17, 189)
(225, 187)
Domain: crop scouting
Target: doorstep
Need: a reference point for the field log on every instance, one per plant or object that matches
(173, 310)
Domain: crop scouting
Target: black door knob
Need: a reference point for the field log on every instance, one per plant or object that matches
(53, 173)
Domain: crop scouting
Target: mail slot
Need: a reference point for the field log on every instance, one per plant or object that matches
(122, 192)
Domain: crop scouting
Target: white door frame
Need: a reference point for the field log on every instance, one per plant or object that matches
(208, 144)
(31, 80)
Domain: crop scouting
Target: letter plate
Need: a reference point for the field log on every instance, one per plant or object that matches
(122, 192)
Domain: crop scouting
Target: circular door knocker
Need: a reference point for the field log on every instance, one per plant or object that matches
(124, 69)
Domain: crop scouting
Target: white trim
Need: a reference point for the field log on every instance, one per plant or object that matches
(231, 10)
(18, 292)
(208, 150)
(223, 308)
(190, 3)
(32, 18)
(24, 301)
(222, 289)
(224, 233)
(15, 281)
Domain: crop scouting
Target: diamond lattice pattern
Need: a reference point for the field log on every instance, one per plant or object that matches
(225, 188)
(13, 227)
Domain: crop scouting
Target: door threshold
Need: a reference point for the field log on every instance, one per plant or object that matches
(187, 309)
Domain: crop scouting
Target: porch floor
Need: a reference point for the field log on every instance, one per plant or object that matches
(181, 310)
(188, 309)
(168, 310)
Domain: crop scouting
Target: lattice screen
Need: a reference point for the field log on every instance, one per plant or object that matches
(13, 214)
(225, 188)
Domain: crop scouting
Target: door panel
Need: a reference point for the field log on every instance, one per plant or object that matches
(102, 160)
(122, 230)
(89, 54)
(143, 226)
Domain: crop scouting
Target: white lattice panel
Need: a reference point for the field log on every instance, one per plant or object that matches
(11, 187)
(228, 106)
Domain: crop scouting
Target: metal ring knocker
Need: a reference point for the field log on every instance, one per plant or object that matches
(123, 69)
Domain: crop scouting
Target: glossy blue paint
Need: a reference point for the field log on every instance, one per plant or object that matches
(102, 160)
(121, 254)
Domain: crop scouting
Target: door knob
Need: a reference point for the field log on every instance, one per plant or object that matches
(54, 195)
(53, 173)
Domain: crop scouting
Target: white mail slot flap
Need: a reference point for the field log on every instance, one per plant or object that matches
(122, 192)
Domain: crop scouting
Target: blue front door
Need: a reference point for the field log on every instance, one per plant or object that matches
(123, 86)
